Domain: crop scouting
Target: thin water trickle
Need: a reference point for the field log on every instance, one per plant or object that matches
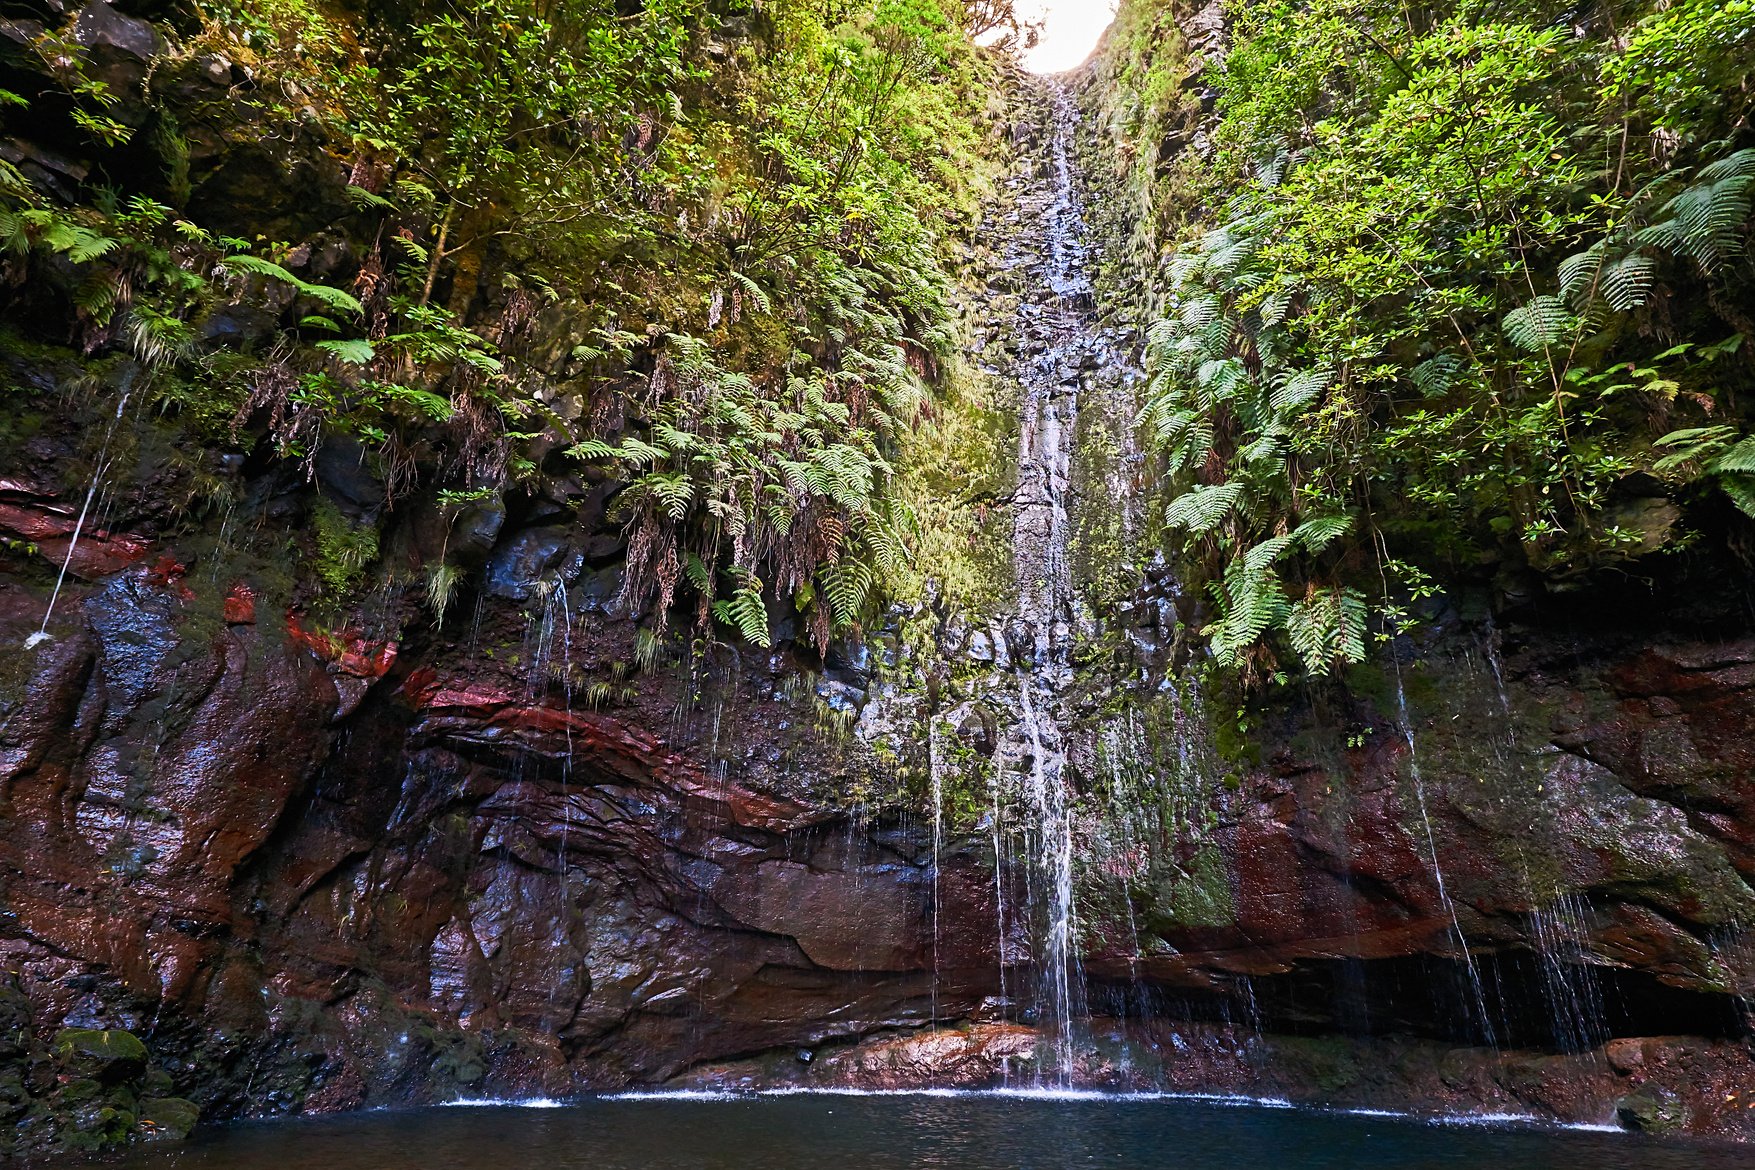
(933, 767)
(1559, 922)
(101, 468)
(1462, 943)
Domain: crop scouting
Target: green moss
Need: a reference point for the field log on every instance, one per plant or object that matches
(1198, 895)
(343, 548)
(958, 469)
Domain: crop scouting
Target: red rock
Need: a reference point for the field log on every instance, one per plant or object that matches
(239, 608)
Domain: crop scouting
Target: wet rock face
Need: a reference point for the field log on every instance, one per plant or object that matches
(1581, 824)
(314, 897)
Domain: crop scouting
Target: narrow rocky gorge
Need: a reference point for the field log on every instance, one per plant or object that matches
(309, 867)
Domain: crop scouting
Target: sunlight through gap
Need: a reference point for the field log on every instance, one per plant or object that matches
(1070, 30)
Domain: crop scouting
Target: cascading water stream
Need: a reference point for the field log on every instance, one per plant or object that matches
(1048, 605)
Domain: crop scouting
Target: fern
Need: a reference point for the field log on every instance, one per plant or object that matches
(442, 581)
(1541, 323)
(1740, 458)
(846, 584)
(1691, 444)
(1204, 508)
(158, 339)
(1627, 283)
(352, 352)
(332, 298)
(756, 292)
(1299, 390)
(1273, 309)
(1741, 490)
(1253, 602)
(1578, 273)
(745, 612)
(1263, 555)
(424, 401)
(1327, 629)
(335, 299)
(673, 491)
(1436, 375)
(1319, 532)
(1221, 379)
(698, 574)
(590, 450)
(1708, 217)
(79, 244)
(362, 198)
(638, 453)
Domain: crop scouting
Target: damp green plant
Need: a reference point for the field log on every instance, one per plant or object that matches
(1465, 291)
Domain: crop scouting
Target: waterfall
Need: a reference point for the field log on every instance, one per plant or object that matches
(1057, 325)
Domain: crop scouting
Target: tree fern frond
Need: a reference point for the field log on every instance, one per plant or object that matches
(1740, 458)
(1690, 444)
(1436, 375)
(1253, 603)
(1266, 553)
(1626, 284)
(1579, 271)
(1318, 532)
(1328, 629)
(1204, 508)
(1741, 490)
(1710, 216)
(1300, 390)
(1732, 166)
(1273, 309)
(1539, 324)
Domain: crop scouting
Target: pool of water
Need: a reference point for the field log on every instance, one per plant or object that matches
(912, 1132)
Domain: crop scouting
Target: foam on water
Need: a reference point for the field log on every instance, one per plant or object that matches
(1051, 1094)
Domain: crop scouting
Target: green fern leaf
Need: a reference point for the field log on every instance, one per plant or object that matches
(1266, 553)
(1319, 532)
(1741, 490)
(1541, 323)
(1436, 375)
(353, 352)
(1299, 390)
(698, 574)
(1627, 283)
(745, 612)
(1204, 508)
(1740, 458)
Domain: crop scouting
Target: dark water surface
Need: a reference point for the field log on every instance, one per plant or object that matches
(903, 1132)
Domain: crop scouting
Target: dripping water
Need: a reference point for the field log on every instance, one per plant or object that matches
(97, 478)
(1476, 989)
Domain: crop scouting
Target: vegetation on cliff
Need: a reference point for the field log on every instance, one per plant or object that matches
(693, 250)
(1439, 293)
